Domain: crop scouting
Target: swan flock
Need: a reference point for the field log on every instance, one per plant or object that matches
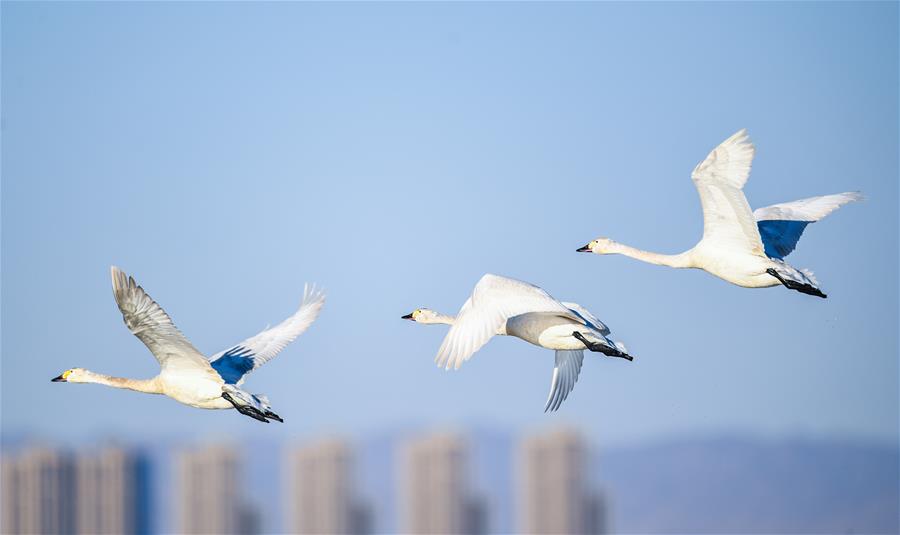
(746, 248)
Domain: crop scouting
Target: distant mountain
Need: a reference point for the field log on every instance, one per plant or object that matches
(740, 485)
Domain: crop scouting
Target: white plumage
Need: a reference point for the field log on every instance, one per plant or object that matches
(742, 247)
(185, 374)
(503, 306)
(811, 209)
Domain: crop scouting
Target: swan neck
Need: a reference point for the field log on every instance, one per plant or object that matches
(148, 386)
(442, 318)
(450, 320)
(681, 260)
(446, 320)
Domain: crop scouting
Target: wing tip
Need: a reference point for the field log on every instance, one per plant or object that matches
(120, 280)
(741, 138)
(313, 295)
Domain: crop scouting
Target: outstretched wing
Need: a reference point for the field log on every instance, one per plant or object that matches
(589, 318)
(235, 363)
(565, 375)
(150, 323)
(494, 300)
(781, 225)
(719, 179)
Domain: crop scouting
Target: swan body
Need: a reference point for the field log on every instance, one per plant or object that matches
(742, 247)
(500, 306)
(185, 374)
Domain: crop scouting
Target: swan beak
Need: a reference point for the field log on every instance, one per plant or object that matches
(585, 249)
(59, 379)
(407, 317)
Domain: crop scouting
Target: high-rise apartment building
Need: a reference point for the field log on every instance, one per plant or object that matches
(554, 493)
(38, 486)
(320, 493)
(436, 494)
(208, 496)
(111, 492)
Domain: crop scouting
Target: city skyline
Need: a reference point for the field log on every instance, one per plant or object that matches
(98, 491)
(106, 490)
(662, 487)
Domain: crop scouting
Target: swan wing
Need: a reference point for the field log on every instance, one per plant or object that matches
(494, 300)
(236, 362)
(781, 225)
(565, 375)
(588, 318)
(150, 323)
(719, 179)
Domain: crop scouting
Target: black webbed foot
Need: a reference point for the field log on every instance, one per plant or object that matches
(273, 416)
(609, 351)
(798, 286)
(246, 410)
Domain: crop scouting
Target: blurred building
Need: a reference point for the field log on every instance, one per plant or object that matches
(554, 486)
(435, 494)
(208, 493)
(112, 492)
(38, 486)
(320, 492)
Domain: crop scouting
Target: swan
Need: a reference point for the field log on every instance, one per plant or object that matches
(743, 248)
(185, 374)
(504, 306)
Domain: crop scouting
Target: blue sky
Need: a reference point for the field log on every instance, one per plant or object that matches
(225, 153)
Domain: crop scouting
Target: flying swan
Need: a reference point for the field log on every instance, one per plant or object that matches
(185, 374)
(504, 306)
(744, 248)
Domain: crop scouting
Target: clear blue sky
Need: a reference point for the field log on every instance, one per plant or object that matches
(225, 153)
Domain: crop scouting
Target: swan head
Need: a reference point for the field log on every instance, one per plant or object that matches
(598, 246)
(75, 375)
(421, 315)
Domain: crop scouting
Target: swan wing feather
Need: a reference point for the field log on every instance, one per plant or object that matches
(589, 318)
(811, 209)
(152, 326)
(565, 375)
(781, 225)
(727, 220)
(494, 300)
(234, 363)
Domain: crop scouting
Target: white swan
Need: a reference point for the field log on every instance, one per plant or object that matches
(743, 248)
(504, 306)
(185, 374)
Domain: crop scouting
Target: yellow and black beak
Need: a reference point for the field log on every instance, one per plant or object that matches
(62, 378)
(585, 249)
(407, 317)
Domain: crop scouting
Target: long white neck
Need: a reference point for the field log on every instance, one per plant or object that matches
(682, 260)
(440, 318)
(450, 320)
(148, 386)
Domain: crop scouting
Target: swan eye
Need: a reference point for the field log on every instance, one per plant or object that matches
(66, 374)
